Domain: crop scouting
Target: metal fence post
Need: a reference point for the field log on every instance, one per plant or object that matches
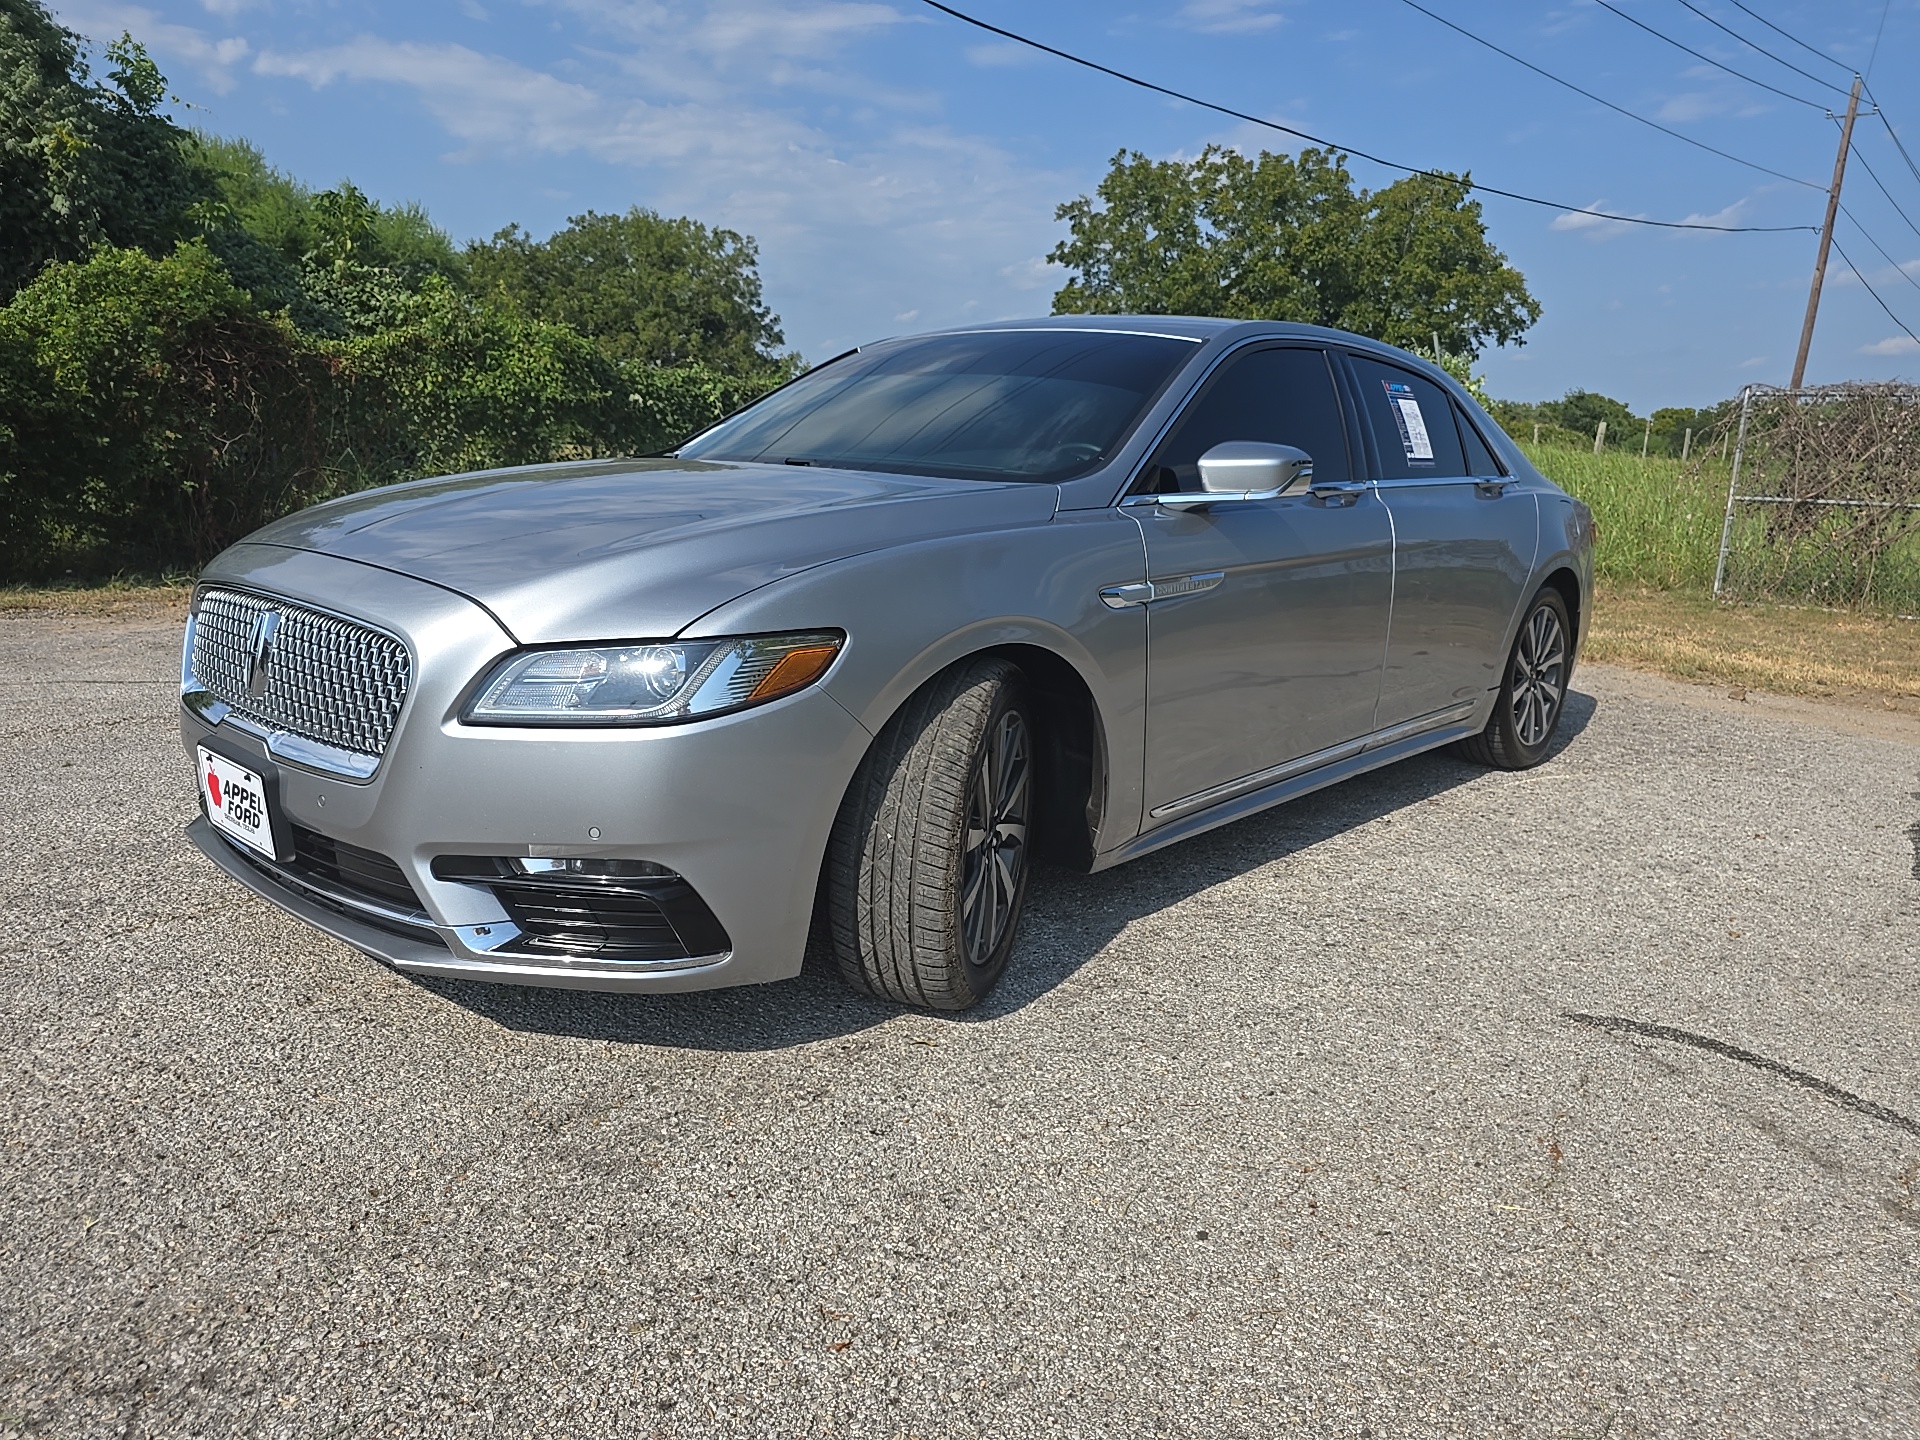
(1733, 484)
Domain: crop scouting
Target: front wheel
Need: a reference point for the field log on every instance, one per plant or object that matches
(1534, 691)
(927, 866)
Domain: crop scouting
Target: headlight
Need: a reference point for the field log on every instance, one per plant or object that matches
(649, 684)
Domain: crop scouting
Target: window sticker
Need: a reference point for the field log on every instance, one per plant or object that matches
(1413, 426)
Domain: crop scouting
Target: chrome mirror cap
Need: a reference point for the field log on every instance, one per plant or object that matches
(1250, 470)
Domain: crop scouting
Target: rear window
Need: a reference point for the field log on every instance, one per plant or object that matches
(1412, 420)
(992, 405)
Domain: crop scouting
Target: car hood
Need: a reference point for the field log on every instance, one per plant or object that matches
(632, 549)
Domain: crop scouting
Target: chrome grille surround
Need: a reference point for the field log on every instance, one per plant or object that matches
(332, 680)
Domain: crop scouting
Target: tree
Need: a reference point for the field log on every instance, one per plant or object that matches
(1277, 237)
(83, 163)
(641, 286)
(151, 415)
(339, 263)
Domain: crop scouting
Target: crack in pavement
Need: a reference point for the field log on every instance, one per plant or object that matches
(1870, 1108)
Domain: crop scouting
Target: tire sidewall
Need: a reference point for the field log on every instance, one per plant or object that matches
(1525, 756)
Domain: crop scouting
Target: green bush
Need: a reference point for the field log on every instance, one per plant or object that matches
(460, 385)
(154, 414)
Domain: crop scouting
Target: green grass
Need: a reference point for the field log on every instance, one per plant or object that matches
(1659, 519)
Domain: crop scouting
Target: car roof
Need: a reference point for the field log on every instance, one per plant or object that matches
(1199, 328)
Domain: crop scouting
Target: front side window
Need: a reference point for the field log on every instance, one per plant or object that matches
(1037, 405)
(1282, 396)
(1412, 420)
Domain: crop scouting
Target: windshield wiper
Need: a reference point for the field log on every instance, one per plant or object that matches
(795, 460)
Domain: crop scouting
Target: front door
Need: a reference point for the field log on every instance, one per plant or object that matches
(1268, 619)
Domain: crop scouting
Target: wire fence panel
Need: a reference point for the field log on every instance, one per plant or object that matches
(1823, 505)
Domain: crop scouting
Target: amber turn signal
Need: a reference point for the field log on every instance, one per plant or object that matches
(797, 668)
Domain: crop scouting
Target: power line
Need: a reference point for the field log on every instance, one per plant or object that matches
(1899, 269)
(1854, 150)
(1874, 53)
(1738, 75)
(1752, 45)
(1617, 109)
(1894, 136)
(1788, 34)
(1876, 295)
(1355, 150)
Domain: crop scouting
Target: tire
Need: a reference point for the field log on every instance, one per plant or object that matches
(927, 865)
(1533, 694)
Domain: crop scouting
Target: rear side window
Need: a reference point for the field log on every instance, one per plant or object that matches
(1412, 420)
(1480, 459)
(1282, 396)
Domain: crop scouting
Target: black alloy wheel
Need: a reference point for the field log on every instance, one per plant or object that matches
(993, 873)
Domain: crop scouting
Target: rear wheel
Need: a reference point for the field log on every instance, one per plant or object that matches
(1534, 692)
(927, 867)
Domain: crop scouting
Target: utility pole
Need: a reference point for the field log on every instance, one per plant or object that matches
(1826, 238)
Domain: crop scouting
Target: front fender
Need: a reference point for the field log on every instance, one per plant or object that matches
(911, 611)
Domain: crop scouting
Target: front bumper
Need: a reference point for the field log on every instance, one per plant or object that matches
(740, 806)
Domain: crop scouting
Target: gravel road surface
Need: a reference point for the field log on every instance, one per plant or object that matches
(1296, 1129)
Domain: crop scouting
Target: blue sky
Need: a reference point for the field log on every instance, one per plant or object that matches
(900, 170)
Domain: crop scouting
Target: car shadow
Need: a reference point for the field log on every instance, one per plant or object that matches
(1070, 918)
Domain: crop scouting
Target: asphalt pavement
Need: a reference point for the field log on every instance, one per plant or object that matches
(1575, 1103)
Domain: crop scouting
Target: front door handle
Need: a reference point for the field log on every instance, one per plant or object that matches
(1119, 597)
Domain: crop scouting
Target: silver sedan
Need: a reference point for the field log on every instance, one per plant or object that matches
(1063, 590)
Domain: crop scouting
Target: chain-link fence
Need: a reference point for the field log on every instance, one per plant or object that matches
(1823, 506)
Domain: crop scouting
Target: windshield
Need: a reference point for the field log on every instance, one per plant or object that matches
(990, 405)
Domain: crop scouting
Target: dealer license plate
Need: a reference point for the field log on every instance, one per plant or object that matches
(236, 801)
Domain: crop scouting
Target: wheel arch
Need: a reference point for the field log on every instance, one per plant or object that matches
(1563, 579)
(1072, 745)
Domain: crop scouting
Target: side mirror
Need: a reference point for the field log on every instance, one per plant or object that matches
(1248, 470)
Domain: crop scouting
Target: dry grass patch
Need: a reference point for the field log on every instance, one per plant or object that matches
(1781, 649)
(130, 600)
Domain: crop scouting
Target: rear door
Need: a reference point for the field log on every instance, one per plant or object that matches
(1465, 535)
(1267, 619)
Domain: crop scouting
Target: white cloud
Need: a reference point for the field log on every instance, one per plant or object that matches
(1229, 17)
(1594, 227)
(1033, 273)
(212, 59)
(1732, 214)
(1842, 273)
(1893, 345)
(887, 212)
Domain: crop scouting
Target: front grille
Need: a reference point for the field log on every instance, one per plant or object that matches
(362, 884)
(364, 873)
(327, 679)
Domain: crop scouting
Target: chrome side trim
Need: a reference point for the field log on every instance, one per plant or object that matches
(1119, 597)
(1269, 776)
(1420, 724)
(1379, 740)
(1252, 802)
(1187, 585)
